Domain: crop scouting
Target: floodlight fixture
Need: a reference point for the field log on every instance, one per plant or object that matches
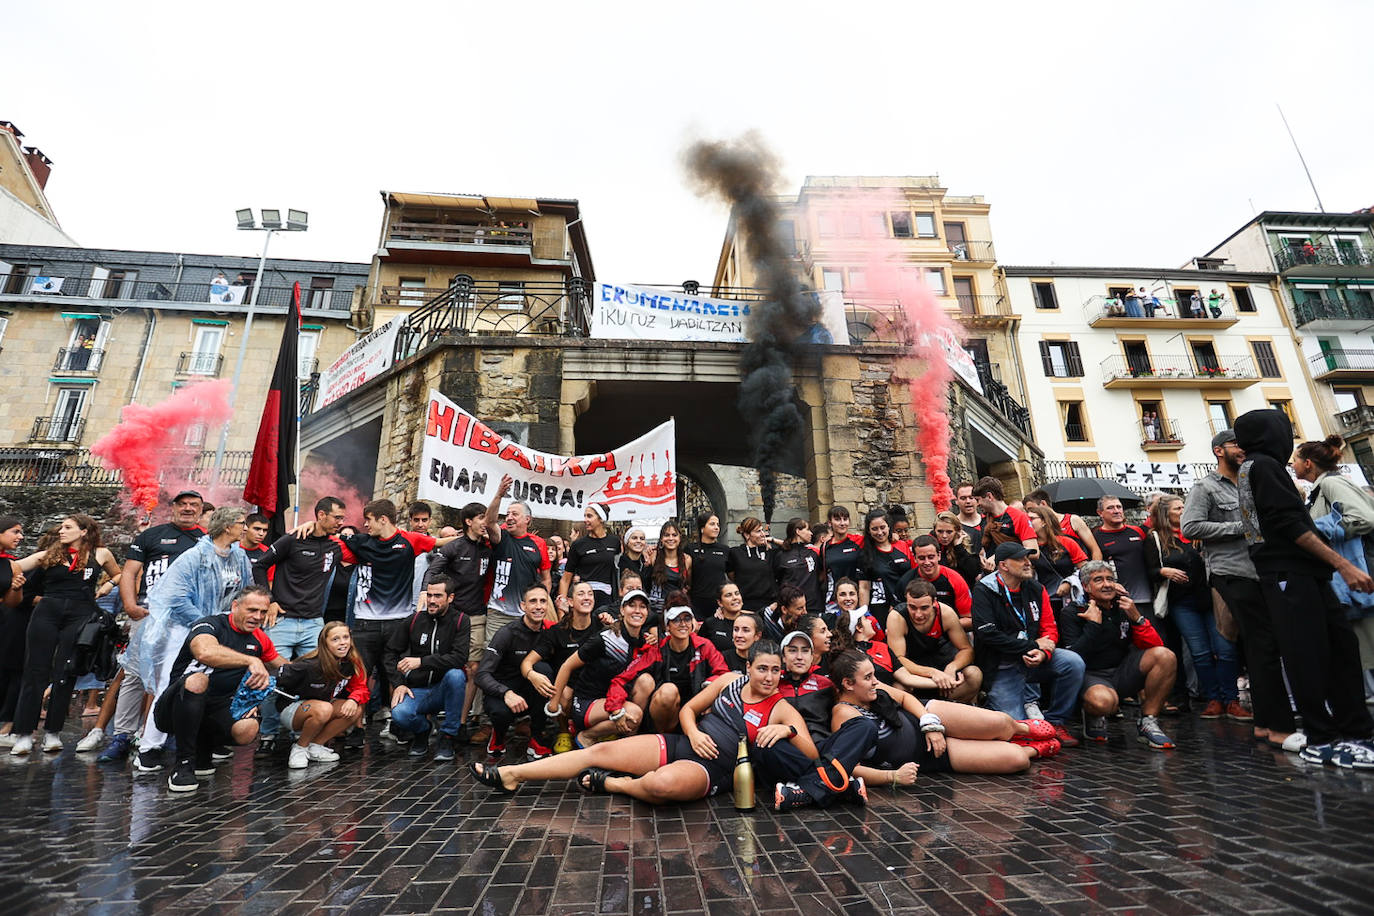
(271, 219)
(296, 220)
(245, 218)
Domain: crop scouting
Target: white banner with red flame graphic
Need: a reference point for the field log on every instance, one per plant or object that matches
(464, 459)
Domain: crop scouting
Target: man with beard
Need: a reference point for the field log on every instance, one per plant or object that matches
(1211, 517)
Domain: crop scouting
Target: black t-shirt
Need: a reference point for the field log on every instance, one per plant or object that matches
(1126, 550)
(518, 562)
(658, 593)
(796, 565)
(558, 643)
(467, 563)
(604, 655)
(386, 573)
(709, 563)
(305, 569)
(677, 668)
(974, 532)
(752, 568)
(628, 562)
(157, 547)
(842, 560)
(885, 572)
(223, 681)
(594, 560)
(720, 632)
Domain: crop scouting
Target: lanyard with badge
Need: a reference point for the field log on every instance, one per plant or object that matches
(1020, 614)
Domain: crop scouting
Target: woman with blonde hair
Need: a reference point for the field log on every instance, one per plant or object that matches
(956, 549)
(331, 685)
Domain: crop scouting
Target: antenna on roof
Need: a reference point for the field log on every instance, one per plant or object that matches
(1305, 169)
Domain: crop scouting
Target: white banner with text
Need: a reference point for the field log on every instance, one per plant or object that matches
(623, 311)
(366, 359)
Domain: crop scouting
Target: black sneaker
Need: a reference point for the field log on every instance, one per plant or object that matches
(856, 793)
(266, 747)
(788, 796)
(419, 745)
(205, 765)
(463, 736)
(184, 778)
(222, 753)
(150, 761)
(353, 741)
(445, 750)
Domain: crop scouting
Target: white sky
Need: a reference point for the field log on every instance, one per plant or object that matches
(1112, 134)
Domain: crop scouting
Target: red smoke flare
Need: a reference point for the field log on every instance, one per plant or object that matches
(148, 439)
(318, 480)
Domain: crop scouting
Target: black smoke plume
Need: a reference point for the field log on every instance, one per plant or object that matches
(745, 174)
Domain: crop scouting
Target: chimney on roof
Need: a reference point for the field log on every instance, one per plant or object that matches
(9, 126)
(40, 165)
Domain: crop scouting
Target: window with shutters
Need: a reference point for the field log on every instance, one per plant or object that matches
(1265, 360)
(1061, 359)
(1075, 426)
(1244, 301)
(1044, 295)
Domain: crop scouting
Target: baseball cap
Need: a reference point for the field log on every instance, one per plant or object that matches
(633, 594)
(185, 493)
(793, 635)
(672, 613)
(1223, 437)
(1012, 551)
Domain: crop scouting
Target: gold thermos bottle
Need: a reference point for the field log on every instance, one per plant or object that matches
(744, 778)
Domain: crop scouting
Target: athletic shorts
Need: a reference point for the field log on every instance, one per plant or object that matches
(580, 707)
(1126, 678)
(720, 773)
(477, 641)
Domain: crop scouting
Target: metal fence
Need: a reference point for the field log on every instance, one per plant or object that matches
(339, 299)
(28, 467)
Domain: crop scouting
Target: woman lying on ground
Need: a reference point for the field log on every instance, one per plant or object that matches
(662, 769)
(939, 736)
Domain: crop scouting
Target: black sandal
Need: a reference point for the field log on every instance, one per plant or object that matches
(490, 776)
(592, 780)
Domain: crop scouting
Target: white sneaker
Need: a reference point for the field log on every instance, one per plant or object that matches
(299, 759)
(1295, 742)
(23, 747)
(321, 754)
(1033, 711)
(94, 738)
(52, 744)
(8, 739)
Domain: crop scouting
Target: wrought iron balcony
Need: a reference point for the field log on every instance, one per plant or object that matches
(57, 429)
(1175, 371)
(1331, 312)
(972, 251)
(452, 234)
(1110, 312)
(987, 306)
(78, 360)
(1159, 432)
(162, 291)
(1342, 364)
(1288, 258)
(206, 364)
(1001, 398)
(1075, 432)
(1357, 420)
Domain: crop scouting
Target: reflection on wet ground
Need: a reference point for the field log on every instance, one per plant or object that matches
(1220, 826)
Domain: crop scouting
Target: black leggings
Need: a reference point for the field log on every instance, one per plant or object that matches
(14, 628)
(501, 716)
(198, 720)
(52, 633)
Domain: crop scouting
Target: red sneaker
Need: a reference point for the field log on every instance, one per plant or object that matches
(496, 745)
(1213, 710)
(1066, 738)
(1238, 713)
(536, 750)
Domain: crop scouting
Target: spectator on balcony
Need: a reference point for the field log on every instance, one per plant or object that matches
(1147, 421)
(1309, 252)
(1115, 307)
(1133, 306)
(1214, 302)
(1195, 304)
(1154, 305)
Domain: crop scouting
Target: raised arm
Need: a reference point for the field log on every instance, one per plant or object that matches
(492, 519)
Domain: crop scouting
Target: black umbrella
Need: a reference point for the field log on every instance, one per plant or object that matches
(1080, 494)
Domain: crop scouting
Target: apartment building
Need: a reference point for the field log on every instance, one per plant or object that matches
(1142, 366)
(1325, 268)
(25, 214)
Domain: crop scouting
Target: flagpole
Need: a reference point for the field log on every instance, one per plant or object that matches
(296, 496)
(238, 366)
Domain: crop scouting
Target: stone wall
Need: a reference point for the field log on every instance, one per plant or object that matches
(42, 508)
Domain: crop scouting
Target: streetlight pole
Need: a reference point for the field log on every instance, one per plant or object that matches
(272, 225)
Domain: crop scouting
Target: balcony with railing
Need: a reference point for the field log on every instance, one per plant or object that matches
(1331, 313)
(1159, 312)
(1342, 365)
(1357, 421)
(999, 395)
(1075, 432)
(1059, 470)
(1178, 371)
(52, 467)
(158, 291)
(1322, 259)
(985, 310)
(972, 251)
(201, 364)
(474, 244)
(1160, 433)
(78, 360)
(60, 429)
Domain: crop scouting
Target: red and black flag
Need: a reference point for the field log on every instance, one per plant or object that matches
(274, 456)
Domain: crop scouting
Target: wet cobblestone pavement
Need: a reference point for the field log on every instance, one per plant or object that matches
(1221, 825)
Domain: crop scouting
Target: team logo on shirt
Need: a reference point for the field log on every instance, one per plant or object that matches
(424, 638)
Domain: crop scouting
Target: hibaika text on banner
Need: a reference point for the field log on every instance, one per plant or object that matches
(463, 460)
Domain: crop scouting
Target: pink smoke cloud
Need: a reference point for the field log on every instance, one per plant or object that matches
(318, 480)
(148, 440)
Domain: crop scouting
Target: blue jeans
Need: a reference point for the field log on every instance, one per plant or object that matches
(1012, 687)
(292, 637)
(412, 714)
(1214, 656)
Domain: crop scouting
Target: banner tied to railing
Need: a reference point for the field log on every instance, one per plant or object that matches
(623, 311)
(463, 460)
(366, 359)
(1167, 475)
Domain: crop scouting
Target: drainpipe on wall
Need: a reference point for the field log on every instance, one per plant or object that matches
(143, 352)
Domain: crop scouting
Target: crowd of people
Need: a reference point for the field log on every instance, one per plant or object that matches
(838, 657)
(1140, 303)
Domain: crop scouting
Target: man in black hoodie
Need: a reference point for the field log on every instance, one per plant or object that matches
(426, 659)
(1320, 652)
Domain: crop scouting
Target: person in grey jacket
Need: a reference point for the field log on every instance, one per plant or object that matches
(1211, 516)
